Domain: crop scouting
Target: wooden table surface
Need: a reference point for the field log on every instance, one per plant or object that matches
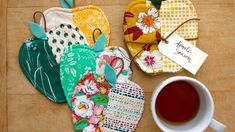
(22, 108)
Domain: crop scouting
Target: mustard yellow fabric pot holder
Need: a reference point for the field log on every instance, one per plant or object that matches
(144, 24)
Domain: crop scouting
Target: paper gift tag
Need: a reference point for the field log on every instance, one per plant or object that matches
(183, 53)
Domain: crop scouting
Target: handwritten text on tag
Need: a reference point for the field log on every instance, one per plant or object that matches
(183, 53)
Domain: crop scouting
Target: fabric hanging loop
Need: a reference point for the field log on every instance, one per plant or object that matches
(93, 35)
(43, 16)
(122, 65)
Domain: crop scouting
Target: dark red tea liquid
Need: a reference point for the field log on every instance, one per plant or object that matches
(178, 102)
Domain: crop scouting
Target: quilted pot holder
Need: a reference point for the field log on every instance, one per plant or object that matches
(39, 65)
(86, 18)
(77, 61)
(90, 100)
(110, 55)
(125, 107)
(144, 24)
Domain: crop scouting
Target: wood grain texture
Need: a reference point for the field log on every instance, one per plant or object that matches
(50, 3)
(22, 108)
(3, 67)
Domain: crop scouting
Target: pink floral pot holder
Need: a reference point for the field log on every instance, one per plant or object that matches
(89, 102)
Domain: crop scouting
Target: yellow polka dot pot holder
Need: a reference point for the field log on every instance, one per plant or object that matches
(144, 24)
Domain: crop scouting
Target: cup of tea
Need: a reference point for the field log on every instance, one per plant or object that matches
(183, 104)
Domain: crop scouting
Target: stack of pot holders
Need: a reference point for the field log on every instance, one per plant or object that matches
(144, 23)
(69, 60)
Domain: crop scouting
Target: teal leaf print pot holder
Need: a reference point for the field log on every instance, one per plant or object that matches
(77, 61)
(39, 66)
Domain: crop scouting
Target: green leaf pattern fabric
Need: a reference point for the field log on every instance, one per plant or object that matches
(100, 99)
(81, 124)
(77, 61)
(40, 67)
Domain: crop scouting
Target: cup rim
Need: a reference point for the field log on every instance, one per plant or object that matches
(172, 79)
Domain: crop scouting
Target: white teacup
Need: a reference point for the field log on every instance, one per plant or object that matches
(204, 117)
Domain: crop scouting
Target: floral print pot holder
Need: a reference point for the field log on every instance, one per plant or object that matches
(90, 100)
(38, 58)
(86, 18)
(144, 24)
(102, 103)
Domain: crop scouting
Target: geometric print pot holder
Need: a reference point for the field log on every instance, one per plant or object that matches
(125, 107)
(144, 25)
(172, 14)
(86, 18)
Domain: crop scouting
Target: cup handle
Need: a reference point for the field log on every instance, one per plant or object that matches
(217, 126)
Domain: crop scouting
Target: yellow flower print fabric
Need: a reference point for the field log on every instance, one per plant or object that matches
(144, 24)
(141, 26)
(88, 18)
